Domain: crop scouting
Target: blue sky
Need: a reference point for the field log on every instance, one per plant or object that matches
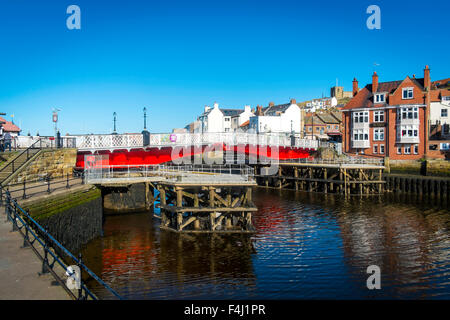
(174, 57)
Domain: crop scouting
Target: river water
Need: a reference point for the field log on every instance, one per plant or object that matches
(307, 246)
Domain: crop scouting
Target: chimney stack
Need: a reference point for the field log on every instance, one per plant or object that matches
(426, 78)
(258, 110)
(374, 82)
(355, 87)
(271, 104)
(293, 101)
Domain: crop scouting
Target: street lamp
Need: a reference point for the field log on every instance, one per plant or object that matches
(114, 115)
(145, 118)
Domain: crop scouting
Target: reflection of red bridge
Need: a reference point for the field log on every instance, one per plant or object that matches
(130, 149)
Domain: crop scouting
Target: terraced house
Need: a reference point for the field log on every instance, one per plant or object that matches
(389, 119)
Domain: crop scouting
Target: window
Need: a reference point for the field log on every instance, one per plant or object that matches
(446, 98)
(406, 113)
(445, 128)
(379, 98)
(378, 134)
(361, 117)
(408, 93)
(445, 146)
(399, 150)
(227, 129)
(360, 134)
(375, 148)
(407, 149)
(444, 113)
(378, 116)
(416, 149)
(408, 132)
(227, 119)
(309, 129)
(381, 148)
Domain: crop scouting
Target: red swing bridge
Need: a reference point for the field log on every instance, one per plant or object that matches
(155, 149)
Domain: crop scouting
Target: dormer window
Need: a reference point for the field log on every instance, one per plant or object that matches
(408, 93)
(380, 98)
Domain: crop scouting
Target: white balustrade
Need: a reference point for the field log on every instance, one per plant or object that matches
(130, 141)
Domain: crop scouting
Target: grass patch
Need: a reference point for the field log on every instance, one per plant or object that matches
(47, 208)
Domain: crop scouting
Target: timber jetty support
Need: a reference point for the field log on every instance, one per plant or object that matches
(191, 198)
(347, 177)
(206, 206)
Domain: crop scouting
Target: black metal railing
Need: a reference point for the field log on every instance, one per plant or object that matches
(47, 184)
(33, 232)
(13, 165)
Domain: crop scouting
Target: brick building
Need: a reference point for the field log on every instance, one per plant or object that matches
(389, 119)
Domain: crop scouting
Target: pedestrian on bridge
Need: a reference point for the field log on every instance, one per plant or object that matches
(7, 141)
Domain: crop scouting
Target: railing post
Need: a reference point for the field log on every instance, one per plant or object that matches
(67, 185)
(25, 238)
(24, 189)
(14, 219)
(1, 196)
(48, 185)
(80, 267)
(45, 261)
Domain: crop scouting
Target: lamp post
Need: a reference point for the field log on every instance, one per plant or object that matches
(145, 118)
(114, 115)
(145, 133)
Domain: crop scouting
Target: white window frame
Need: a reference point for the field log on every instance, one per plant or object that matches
(446, 113)
(377, 133)
(357, 115)
(381, 148)
(360, 132)
(416, 149)
(408, 90)
(407, 149)
(380, 98)
(375, 148)
(379, 114)
(399, 150)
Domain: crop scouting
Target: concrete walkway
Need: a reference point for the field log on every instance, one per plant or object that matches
(19, 268)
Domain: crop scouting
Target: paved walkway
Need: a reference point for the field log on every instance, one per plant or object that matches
(19, 267)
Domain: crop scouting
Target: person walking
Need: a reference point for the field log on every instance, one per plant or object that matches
(2, 143)
(7, 138)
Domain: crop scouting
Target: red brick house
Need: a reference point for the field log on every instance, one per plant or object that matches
(389, 119)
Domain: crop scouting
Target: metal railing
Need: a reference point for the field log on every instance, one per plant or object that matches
(24, 156)
(341, 161)
(102, 172)
(44, 185)
(128, 141)
(23, 142)
(33, 232)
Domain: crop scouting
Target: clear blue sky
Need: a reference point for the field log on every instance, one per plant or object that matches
(174, 57)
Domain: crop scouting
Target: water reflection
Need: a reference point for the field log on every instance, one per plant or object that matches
(306, 246)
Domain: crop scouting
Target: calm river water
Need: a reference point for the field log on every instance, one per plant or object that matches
(307, 246)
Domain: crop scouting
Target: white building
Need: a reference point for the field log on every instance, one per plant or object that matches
(277, 118)
(440, 111)
(321, 104)
(222, 120)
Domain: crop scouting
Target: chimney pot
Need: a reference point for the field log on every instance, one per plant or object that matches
(271, 104)
(293, 101)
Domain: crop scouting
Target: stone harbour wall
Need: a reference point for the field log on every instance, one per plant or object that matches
(51, 163)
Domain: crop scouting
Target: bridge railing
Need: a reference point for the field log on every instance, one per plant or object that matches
(99, 173)
(114, 141)
(342, 161)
